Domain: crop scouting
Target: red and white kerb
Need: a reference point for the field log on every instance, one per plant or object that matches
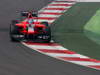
(50, 13)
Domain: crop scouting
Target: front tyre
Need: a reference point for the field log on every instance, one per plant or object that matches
(12, 31)
(15, 35)
(45, 23)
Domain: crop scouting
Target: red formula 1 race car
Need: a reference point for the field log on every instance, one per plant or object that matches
(29, 29)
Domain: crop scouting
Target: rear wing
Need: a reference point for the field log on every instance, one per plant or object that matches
(25, 14)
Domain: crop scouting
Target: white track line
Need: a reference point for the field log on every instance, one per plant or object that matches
(58, 7)
(54, 11)
(86, 63)
(63, 3)
(47, 47)
(46, 15)
(65, 55)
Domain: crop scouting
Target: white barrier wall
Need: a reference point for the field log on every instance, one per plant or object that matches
(88, 0)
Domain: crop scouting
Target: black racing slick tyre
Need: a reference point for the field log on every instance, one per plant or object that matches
(47, 34)
(45, 23)
(13, 31)
(44, 38)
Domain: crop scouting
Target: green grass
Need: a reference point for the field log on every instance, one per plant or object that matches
(92, 28)
(68, 30)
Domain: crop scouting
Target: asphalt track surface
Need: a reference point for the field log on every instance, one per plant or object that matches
(16, 59)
